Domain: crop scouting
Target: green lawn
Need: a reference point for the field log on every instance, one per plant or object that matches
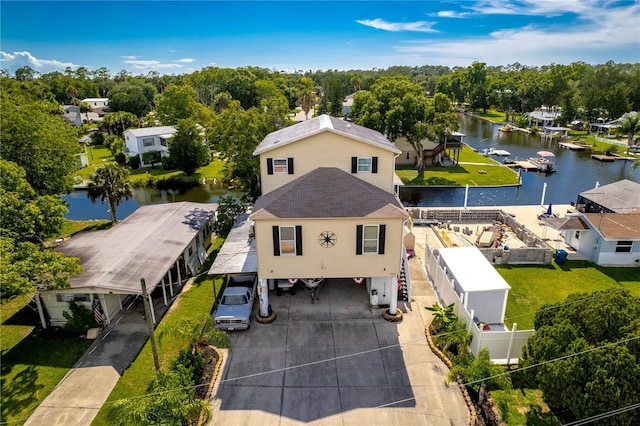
(192, 303)
(533, 285)
(523, 407)
(32, 364)
(99, 155)
(492, 115)
(484, 172)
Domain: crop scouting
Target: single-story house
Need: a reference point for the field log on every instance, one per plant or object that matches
(149, 139)
(618, 197)
(96, 103)
(162, 243)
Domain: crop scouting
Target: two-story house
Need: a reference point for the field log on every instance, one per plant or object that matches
(328, 209)
(149, 139)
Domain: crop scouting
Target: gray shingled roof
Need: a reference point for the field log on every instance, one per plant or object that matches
(324, 123)
(144, 245)
(327, 192)
(620, 197)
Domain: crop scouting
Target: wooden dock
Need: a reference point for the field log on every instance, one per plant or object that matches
(522, 164)
(610, 158)
(573, 146)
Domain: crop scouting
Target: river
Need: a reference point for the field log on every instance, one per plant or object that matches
(576, 172)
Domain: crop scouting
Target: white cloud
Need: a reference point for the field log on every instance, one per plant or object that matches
(185, 60)
(15, 60)
(173, 51)
(381, 24)
(451, 14)
(535, 7)
(598, 36)
(149, 65)
(130, 57)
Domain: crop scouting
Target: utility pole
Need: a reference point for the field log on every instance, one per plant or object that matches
(147, 314)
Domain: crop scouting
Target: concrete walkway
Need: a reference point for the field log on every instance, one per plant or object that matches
(76, 400)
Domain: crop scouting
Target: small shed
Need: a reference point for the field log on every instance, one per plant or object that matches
(481, 287)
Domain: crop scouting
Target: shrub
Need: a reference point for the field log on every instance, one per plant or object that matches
(121, 158)
(134, 162)
(79, 319)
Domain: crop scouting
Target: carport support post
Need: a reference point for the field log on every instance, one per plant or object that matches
(147, 312)
(40, 310)
(164, 293)
(104, 308)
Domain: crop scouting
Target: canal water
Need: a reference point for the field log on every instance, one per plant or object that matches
(576, 172)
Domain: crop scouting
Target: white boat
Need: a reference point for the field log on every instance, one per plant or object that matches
(544, 162)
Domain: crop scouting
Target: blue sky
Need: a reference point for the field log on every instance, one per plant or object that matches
(181, 37)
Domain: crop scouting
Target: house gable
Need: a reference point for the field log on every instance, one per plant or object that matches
(292, 152)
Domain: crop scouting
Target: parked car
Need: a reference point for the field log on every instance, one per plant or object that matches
(236, 303)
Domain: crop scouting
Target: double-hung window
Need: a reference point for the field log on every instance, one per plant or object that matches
(280, 165)
(370, 239)
(364, 164)
(287, 240)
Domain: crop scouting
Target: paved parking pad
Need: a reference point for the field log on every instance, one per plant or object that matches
(335, 362)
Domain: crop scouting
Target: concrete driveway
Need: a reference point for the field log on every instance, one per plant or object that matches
(337, 362)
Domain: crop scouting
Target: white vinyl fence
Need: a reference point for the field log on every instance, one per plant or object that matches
(505, 347)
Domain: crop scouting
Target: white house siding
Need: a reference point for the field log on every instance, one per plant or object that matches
(607, 254)
(327, 149)
(55, 309)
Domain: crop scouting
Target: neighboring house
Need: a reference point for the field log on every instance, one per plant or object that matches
(162, 243)
(618, 197)
(71, 114)
(606, 228)
(149, 139)
(608, 239)
(543, 117)
(328, 211)
(433, 152)
(97, 103)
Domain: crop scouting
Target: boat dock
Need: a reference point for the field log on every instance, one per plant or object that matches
(610, 158)
(522, 164)
(573, 146)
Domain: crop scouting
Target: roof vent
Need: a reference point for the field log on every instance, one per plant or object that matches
(348, 126)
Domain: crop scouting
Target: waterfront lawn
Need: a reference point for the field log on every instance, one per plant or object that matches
(194, 301)
(533, 285)
(33, 360)
(492, 115)
(459, 175)
(97, 155)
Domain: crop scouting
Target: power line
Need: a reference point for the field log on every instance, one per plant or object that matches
(604, 415)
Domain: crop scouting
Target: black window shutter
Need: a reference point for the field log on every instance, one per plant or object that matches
(354, 164)
(359, 239)
(290, 165)
(298, 240)
(374, 165)
(269, 166)
(276, 241)
(381, 233)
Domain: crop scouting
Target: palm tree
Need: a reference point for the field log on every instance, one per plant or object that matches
(109, 183)
(631, 125)
(307, 100)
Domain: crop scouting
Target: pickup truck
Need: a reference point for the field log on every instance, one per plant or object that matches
(234, 309)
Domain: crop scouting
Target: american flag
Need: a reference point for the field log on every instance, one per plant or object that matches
(97, 315)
